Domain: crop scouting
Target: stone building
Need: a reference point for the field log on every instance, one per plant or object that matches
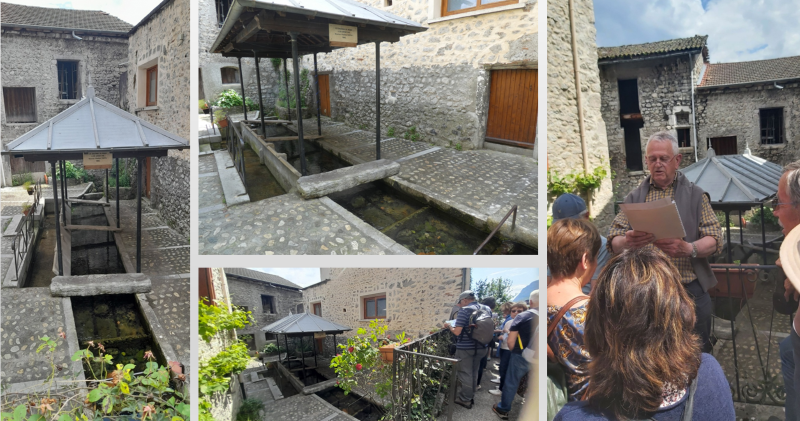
(213, 286)
(449, 81)
(565, 142)
(49, 59)
(218, 73)
(267, 297)
(156, 81)
(415, 301)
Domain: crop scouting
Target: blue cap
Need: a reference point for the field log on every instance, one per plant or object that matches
(568, 205)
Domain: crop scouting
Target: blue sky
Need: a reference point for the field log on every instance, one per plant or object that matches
(127, 10)
(738, 30)
(519, 277)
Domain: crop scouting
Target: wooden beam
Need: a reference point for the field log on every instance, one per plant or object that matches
(92, 228)
(87, 202)
(252, 28)
(285, 138)
(268, 121)
(322, 29)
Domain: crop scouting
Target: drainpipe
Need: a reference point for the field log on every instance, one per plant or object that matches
(694, 121)
(579, 99)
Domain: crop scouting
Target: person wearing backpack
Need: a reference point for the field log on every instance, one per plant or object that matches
(520, 336)
(647, 362)
(474, 329)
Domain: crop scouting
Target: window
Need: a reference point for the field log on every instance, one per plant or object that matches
(267, 304)
(771, 126)
(229, 74)
(387, 3)
(452, 7)
(684, 138)
(20, 105)
(249, 340)
(317, 308)
(375, 307)
(299, 308)
(67, 79)
(152, 86)
(269, 336)
(223, 6)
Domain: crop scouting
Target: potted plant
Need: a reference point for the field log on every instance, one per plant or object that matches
(203, 106)
(27, 185)
(731, 278)
(220, 118)
(387, 350)
(26, 208)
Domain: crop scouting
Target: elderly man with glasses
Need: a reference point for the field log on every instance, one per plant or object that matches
(703, 232)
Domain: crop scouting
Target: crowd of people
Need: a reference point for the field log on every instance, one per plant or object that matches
(629, 316)
(509, 338)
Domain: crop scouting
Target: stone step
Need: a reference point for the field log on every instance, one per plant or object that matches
(86, 285)
(232, 186)
(273, 387)
(319, 185)
(14, 226)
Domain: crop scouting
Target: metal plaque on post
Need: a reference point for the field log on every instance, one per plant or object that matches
(97, 160)
(342, 35)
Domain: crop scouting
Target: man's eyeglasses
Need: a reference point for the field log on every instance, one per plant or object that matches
(659, 159)
(776, 204)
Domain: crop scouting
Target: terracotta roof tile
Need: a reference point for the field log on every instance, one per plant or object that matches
(653, 48)
(94, 20)
(724, 74)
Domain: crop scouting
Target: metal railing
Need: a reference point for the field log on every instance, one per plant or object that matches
(22, 239)
(236, 147)
(424, 378)
(513, 210)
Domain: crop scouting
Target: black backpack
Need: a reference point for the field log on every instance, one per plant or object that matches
(480, 326)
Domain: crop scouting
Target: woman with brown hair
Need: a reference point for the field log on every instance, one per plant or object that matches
(646, 359)
(572, 246)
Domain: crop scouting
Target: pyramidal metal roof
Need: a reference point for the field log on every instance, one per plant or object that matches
(735, 178)
(304, 323)
(94, 125)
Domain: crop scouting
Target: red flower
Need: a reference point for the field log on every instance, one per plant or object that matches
(358, 366)
(350, 349)
(338, 355)
(63, 335)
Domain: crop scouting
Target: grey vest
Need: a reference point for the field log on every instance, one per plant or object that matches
(689, 199)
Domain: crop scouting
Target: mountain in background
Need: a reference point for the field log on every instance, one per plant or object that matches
(526, 292)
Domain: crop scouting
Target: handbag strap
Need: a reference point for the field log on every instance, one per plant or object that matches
(552, 325)
(689, 408)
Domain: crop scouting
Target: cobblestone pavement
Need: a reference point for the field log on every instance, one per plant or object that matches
(209, 187)
(285, 224)
(303, 407)
(170, 299)
(482, 408)
(27, 315)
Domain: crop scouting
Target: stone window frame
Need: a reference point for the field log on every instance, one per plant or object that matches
(273, 304)
(82, 82)
(140, 85)
(435, 8)
(673, 121)
(363, 304)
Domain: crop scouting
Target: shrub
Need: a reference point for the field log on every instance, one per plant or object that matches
(21, 179)
(249, 410)
(232, 99)
(769, 217)
(411, 134)
(390, 131)
(72, 172)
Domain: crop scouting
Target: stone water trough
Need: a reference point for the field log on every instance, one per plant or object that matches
(319, 185)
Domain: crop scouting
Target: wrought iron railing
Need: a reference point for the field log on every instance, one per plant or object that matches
(513, 211)
(425, 378)
(236, 147)
(21, 243)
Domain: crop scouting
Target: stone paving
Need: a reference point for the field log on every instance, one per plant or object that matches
(482, 409)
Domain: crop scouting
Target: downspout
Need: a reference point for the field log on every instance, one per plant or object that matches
(694, 120)
(579, 99)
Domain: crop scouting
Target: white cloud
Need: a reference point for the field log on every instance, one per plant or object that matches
(129, 11)
(738, 30)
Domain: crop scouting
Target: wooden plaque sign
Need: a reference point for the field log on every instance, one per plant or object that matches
(343, 35)
(320, 335)
(97, 160)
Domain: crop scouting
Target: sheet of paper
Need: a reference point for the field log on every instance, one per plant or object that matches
(659, 217)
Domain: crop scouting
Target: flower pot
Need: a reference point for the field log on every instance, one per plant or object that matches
(733, 282)
(387, 352)
(222, 123)
(30, 191)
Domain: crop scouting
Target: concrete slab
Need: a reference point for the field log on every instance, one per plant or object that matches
(13, 226)
(87, 285)
(204, 148)
(323, 184)
(304, 407)
(232, 186)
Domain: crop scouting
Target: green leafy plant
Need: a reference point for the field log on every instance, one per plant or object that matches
(219, 115)
(71, 171)
(249, 411)
(212, 319)
(390, 131)
(359, 364)
(411, 134)
(232, 99)
(305, 84)
(26, 207)
(21, 179)
(575, 182)
(362, 127)
(458, 146)
(498, 288)
(768, 217)
(272, 348)
(586, 183)
(276, 63)
(203, 105)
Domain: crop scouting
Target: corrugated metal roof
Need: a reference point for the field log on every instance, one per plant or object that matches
(93, 125)
(46, 17)
(735, 178)
(261, 276)
(304, 323)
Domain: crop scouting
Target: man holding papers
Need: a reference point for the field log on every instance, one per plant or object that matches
(688, 250)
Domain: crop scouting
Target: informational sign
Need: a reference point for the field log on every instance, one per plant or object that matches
(320, 335)
(97, 160)
(343, 35)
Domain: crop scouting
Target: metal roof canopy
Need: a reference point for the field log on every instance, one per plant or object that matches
(304, 324)
(263, 26)
(735, 181)
(93, 125)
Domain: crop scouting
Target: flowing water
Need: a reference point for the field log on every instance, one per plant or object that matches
(261, 184)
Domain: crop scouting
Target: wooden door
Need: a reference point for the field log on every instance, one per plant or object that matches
(21, 166)
(324, 95)
(513, 103)
(147, 177)
(317, 309)
(206, 289)
(724, 145)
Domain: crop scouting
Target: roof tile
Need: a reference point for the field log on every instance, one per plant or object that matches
(261, 276)
(724, 74)
(652, 48)
(94, 20)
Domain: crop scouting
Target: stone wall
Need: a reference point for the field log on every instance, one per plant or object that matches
(417, 300)
(224, 406)
(665, 88)
(735, 112)
(164, 40)
(247, 293)
(563, 136)
(29, 60)
(435, 80)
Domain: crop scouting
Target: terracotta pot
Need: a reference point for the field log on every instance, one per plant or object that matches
(387, 352)
(733, 279)
(222, 123)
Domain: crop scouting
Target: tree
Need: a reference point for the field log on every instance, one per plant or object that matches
(498, 288)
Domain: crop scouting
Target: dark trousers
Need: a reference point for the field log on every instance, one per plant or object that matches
(482, 367)
(702, 306)
(505, 357)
